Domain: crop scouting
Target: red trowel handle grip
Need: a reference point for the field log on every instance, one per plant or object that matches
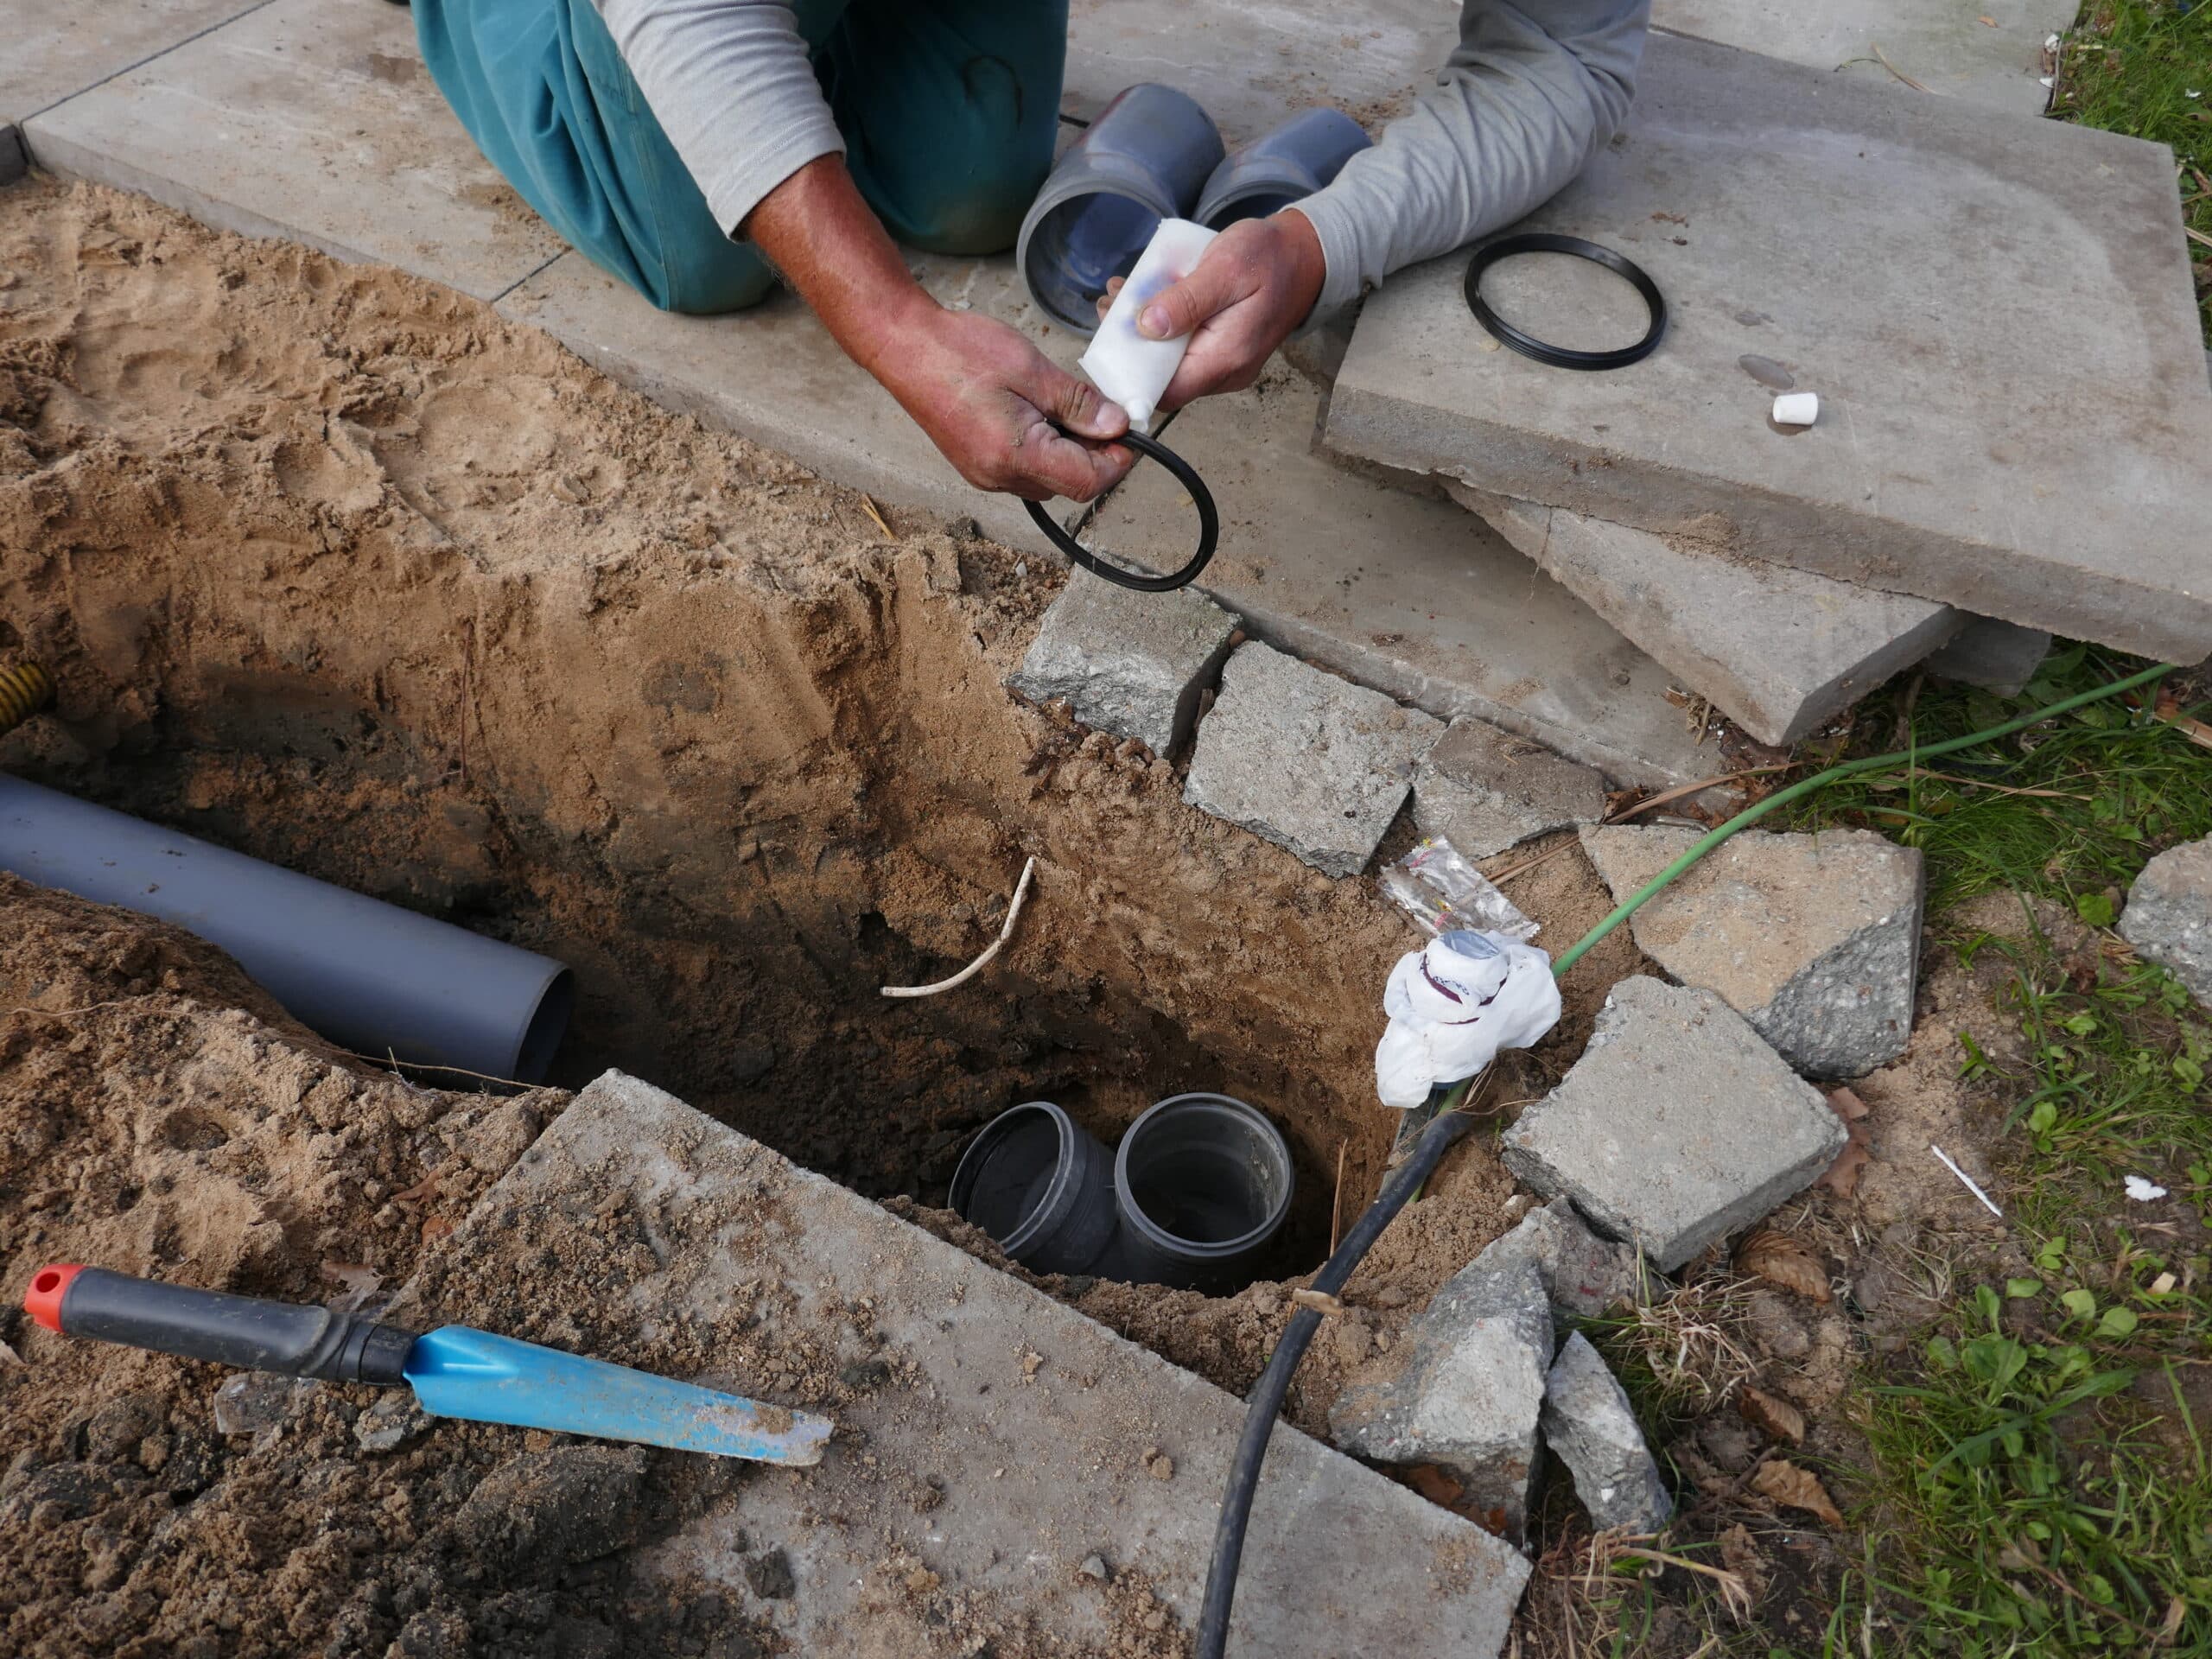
(242, 1331)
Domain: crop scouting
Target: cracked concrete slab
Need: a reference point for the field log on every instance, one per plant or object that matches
(312, 122)
(992, 1442)
(1938, 467)
(55, 51)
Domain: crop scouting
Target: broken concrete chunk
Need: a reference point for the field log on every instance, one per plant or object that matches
(2169, 915)
(1467, 1393)
(1815, 939)
(1311, 762)
(1777, 649)
(1999, 656)
(572, 1503)
(1483, 790)
(1127, 662)
(1590, 1425)
(1583, 1275)
(1678, 1125)
(391, 1423)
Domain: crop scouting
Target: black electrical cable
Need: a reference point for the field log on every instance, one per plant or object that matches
(1565, 356)
(1209, 526)
(1265, 1401)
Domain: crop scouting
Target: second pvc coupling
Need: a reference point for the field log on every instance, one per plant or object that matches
(1139, 195)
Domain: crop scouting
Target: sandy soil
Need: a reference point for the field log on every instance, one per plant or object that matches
(337, 567)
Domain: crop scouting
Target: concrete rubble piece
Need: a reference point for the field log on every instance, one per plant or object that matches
(1464, 1390)
(1583, 1275)
(1677, 1127)
(1777, 649)
(1999, 656)
(1937, 467)
(1483, 790)
(1814, 938)
(2169, 915)
(1591, 1428)
(1311, 762)
(1127, 662)
(990, 1440)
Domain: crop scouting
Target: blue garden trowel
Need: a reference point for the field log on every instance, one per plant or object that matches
(455, 1371)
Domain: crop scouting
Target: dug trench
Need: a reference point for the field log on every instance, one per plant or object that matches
(338, 568)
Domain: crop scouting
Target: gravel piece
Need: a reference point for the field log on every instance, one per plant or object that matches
(2169, 915)
(1590, 1426)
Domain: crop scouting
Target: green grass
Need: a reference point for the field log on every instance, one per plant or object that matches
(2038, 1482)
(2131, 67)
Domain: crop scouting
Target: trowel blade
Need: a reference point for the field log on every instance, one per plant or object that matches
(460, 1372)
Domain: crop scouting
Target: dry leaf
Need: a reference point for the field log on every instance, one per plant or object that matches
(1776, 1417)
(1740, 1555)
(435, 1227)
(1782, 1261)
(1797, 1488)
(1986, 18)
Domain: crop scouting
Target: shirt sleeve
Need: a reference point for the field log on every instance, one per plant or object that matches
(732, 85)
(1527, 98)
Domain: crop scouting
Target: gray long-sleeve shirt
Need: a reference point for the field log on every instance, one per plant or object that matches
(1530, 92)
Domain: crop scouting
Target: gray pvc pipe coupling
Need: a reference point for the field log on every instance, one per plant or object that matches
(1194, 1197)
(368, 975)
(1154, 154)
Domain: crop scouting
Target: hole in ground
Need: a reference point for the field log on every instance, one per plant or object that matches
(748, 806)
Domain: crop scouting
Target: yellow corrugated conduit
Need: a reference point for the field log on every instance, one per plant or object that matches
(25, 690)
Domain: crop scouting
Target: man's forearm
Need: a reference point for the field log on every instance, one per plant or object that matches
(829, 245)
(1533, 89)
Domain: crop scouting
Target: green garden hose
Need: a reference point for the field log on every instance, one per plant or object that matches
(24, 691)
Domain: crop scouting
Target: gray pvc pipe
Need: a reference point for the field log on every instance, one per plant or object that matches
(1296, 159)
(368, 975)
(1144, 159)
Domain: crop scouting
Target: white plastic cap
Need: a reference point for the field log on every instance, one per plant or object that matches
(1797, 409)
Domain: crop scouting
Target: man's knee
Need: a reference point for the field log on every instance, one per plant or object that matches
(969, 197)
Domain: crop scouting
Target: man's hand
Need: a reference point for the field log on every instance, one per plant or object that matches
(993, 404)
(1255, 285)
(986, 397)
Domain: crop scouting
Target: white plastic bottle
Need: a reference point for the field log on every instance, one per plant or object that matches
(1125, 365)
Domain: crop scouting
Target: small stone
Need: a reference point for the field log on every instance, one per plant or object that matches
(1815, 939)
(115, 1430)
(1094, 1567)
(1590, 1425)
(1161, 1468)
(254, 1402)
(770, 1575)
(1485, 790)
(1127, 662)
(1677, 1127)
(2169, 915)
(1313, 763)
(572, 1503)
(391, 1423)
(1467, 1395)
(1583, 1275)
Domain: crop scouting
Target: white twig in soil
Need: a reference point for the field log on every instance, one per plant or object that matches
(1987, 1203)
(1013, 910)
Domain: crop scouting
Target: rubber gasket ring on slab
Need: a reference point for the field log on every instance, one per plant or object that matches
(1565, 356)
(1209, 526)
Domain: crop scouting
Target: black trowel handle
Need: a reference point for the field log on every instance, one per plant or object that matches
(242, 1331)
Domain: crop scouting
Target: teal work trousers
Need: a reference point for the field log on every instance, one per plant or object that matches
(948, 109)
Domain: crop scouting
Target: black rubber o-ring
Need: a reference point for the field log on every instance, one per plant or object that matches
(1563, 357)
(1209, 526)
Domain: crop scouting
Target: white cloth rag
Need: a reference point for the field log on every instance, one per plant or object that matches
(1455, 1004)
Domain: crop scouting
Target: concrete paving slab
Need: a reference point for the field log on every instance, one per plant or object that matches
(1250, 63)
(990, 1440)
(1678, 1125)
(1483, 790)
(55, 51)
(1778, 649)
(1127, 662)
(1313, 762)
(1950, 49)
(313, 122)
(1874, 245)
(1397, 589)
